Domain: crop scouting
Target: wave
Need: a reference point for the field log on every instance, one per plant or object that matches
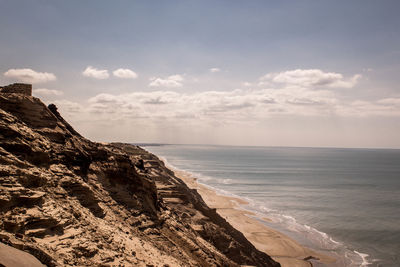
(308, 236)
(199, 176)
(363, 256)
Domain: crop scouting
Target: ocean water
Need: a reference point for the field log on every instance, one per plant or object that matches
(344, 202)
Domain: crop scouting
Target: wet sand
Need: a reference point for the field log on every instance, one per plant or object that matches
(280, 247)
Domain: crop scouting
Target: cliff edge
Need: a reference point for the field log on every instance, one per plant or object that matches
(69, 201)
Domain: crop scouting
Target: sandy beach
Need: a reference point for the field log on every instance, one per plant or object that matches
(280, 247)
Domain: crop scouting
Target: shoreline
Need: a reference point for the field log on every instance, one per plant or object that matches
(279, 246)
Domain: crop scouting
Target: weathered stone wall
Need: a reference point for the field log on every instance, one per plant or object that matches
(18, 88)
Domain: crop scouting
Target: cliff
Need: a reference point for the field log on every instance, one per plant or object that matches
(69, 201)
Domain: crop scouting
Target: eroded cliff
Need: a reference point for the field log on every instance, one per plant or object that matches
(69, 201)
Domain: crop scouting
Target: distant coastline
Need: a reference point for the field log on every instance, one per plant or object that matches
(144, 144)
(147, 144)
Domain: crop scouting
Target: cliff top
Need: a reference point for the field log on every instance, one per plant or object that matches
(17, 88)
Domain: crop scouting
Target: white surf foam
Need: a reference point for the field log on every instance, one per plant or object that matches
(364, 257)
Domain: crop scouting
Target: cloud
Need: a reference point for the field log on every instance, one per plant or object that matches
(247, 84)
(125, 74)
(212, 106)
(215, 70)
(310, 78)
(172, 81)
(292, 96)
(299, 101)
(175, 113)
(105, 98)
(47, 92)
(70, 109)
(389, 101)
(95, 73)
(388, 107)
(304, 101)
(236, 107)
(30, 76)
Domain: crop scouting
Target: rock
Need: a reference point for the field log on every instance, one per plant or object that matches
(12, 257)
(31, 197)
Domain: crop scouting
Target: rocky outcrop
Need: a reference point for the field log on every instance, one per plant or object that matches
(17, 88)
(69, 201)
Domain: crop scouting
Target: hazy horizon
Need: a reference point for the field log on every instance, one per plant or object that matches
(247, 73)
(144, 144)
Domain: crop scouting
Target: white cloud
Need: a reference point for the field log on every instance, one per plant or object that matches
(169, 82)
(389, 101)
(388, 107)
(30, 76)
(296, 105)
(310, 78)
(228, 106)
(95, 73)
(240, 108)
(125, 74)
(104, 99)
(247, 84)
(47, 92)
(215, 70)
(175, 113)
(69, 109)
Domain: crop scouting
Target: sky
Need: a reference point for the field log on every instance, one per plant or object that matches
(258, 72)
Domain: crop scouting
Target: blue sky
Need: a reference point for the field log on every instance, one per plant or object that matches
(328, 70)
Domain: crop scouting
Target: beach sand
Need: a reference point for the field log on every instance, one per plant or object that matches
(280, 247)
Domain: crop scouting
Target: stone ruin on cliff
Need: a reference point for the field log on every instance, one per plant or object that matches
(17, 88)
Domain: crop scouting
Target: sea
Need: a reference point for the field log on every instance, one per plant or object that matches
(339, 201)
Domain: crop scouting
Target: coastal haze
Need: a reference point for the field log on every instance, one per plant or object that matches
(229, 72)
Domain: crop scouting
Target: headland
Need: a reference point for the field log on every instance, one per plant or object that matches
(68, 201)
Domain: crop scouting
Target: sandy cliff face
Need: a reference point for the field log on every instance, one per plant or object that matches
(69, 201)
